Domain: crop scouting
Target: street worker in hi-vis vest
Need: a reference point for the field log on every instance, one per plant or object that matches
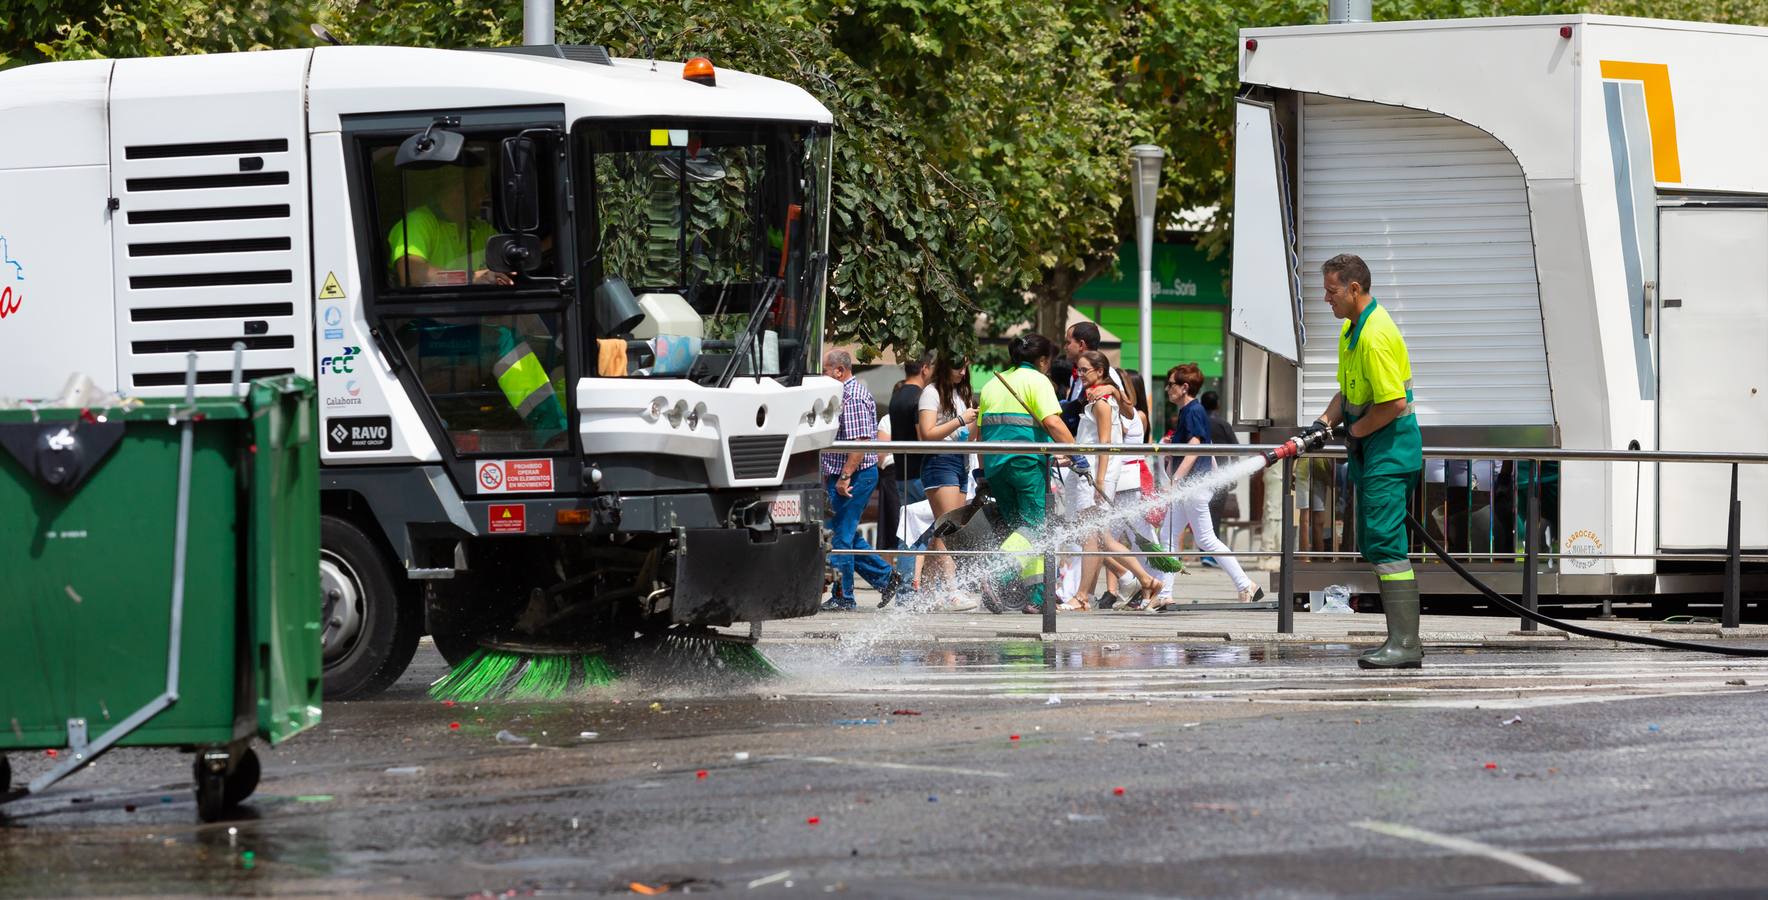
(1020, 405)
(1380, 431)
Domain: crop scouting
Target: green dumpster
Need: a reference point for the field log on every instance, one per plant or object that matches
(159, 582)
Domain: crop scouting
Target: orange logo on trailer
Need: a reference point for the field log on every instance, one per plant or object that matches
(1660, 113)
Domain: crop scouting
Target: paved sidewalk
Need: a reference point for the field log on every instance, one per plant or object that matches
(1210, 588)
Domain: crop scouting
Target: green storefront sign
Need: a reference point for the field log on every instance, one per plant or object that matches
(1183, 273)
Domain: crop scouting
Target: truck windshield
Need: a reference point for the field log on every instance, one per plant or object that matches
(705, 247)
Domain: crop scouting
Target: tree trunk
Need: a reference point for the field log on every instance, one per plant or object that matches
(1056, 294)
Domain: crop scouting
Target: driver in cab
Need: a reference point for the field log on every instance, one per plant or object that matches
(441, 239)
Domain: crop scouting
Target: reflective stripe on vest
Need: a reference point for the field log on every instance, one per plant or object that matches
(523, 380)
(1356, 410)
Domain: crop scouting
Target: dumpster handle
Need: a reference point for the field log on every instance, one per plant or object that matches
(82, 757)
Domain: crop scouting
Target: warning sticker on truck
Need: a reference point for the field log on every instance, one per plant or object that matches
(506, 476)
(508, 519)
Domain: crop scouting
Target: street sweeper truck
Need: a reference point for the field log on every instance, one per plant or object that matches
(564, 312)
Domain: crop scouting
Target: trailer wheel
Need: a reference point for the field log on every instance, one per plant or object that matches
(370, 632)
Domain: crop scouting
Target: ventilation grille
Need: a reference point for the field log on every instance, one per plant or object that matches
(211, 250)
(757, 456)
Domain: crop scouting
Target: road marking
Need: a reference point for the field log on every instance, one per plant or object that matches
(901, 767)
(1528, 864)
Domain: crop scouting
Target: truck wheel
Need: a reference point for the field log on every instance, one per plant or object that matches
(370, 633)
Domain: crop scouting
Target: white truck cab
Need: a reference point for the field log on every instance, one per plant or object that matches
(564, 312)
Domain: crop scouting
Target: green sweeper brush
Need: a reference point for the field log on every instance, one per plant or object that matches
(694, 651)
(526, 671)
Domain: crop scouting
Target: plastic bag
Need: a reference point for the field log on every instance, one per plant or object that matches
(1338, 599)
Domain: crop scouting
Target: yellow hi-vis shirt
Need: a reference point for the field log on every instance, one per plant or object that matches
(1373, 367)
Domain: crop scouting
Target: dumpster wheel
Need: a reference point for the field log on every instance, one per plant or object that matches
(224, 779)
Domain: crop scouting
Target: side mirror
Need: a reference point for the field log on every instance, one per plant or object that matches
(430, 149)
(519, 209)
(512, 253)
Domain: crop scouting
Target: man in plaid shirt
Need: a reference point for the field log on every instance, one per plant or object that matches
(851, 478)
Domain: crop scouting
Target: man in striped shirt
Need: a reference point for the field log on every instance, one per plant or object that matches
(850, 479)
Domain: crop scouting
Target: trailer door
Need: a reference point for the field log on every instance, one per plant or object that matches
(1264, 288)
(1440, 211)
(1712, 370)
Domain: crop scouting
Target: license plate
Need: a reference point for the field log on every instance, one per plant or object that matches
(786, 509)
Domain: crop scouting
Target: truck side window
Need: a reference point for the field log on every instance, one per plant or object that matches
(497, 381)
(432, 224)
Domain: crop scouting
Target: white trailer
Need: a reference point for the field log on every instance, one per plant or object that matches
(1568, 218)
(564, 312)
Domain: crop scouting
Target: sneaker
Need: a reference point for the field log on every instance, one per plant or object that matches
(1107, 600)
(833, 605)
(1210, 561)
(959, 603)
(890, 589)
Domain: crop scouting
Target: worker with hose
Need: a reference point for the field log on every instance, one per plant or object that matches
(1020, 405)
(1380, 431)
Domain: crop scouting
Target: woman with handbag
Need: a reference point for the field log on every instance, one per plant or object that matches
(1192, 509)
(1136, 487)
(1101, 422)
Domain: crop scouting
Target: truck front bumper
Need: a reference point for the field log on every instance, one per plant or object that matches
(725, 575)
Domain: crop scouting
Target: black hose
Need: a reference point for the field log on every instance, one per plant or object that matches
(1530, 614)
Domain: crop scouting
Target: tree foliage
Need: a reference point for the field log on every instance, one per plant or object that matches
(910, 238)
(981, 153)
(44, 30)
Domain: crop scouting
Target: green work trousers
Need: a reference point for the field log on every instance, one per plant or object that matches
(1019, 485)
(1382, 501)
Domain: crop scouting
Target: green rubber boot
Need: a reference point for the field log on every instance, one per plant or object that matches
(1403, 649)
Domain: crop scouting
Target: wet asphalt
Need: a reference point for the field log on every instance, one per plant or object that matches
(934, 770)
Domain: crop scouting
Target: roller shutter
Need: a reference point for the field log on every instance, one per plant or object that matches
(1439, 210)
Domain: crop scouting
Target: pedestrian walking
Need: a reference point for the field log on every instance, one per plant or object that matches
(1080, 337)
(1223, 506)
(1020, 405)
(1135, 489)
(905, 403)
(947, 412)
(1374, 404)
(1089, 495)
(1191, 509)
(850, 479)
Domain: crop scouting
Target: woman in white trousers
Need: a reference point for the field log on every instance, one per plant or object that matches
(1192, 509)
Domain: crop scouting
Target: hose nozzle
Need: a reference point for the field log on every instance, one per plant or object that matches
(1306, 442)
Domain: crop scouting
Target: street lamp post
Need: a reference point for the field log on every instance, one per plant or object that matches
(1145, 162)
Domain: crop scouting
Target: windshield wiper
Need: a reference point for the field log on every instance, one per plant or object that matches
(768, 296)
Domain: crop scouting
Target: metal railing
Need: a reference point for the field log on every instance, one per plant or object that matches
(1532, 553)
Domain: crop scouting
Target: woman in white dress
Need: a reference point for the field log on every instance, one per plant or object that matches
(1101, 422)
